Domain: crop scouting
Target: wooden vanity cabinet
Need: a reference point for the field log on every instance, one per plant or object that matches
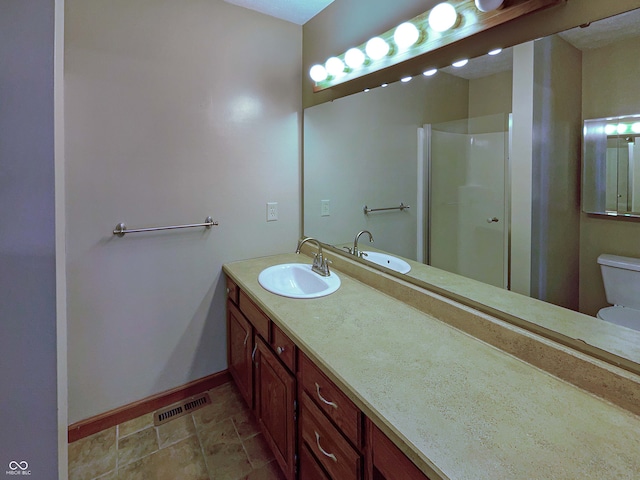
(312, 427)
(261, 361)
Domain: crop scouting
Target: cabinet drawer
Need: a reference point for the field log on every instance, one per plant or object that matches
(232, 291)
(309, 467)
(283, 346)
(330, 399)
(332, 450)
(258, 319)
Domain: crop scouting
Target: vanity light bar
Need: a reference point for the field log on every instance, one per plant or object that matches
(444, 24)
(622, 128)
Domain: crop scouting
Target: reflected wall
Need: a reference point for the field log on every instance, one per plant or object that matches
(610, 88)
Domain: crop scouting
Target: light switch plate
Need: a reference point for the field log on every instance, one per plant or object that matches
(324, 208)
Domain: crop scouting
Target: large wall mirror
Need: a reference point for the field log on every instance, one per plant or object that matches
(432, 161)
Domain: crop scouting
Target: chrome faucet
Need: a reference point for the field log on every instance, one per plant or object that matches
(357, 252)
(320, 264)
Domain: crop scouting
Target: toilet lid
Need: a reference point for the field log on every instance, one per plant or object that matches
(624, 316)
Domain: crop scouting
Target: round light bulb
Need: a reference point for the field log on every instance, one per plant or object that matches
(377, 48)
(622, 128)
(354, 58)
(405, 35)
(442, 17)
(635, 128)
(460, 63)
(318, 73)
(495, 52)
(334, 66)
(430, 72)
(610, 129)
(488, 5)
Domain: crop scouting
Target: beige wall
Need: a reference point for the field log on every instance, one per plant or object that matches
(174, 111)
(362, 150)
(610, 87)
(491, 94)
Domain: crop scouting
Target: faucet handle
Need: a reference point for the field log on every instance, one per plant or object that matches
(325, 266)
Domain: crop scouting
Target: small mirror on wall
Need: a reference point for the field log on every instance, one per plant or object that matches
(611, 166)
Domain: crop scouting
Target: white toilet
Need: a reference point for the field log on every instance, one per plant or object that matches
(621, 276)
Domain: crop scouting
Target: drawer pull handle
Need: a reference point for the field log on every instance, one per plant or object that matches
(324, 400)
(324, 452)
(279, 350)
(253, 354)
(245, 339)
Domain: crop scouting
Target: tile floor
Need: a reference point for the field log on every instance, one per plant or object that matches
(218, 442)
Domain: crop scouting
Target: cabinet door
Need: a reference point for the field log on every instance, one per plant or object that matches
(275, 406)
(386, 461)
(239, 348)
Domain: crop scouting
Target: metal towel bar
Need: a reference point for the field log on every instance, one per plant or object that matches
(121, 229)
(402, 207)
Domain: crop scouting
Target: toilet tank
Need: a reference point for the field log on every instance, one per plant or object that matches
(621, 277)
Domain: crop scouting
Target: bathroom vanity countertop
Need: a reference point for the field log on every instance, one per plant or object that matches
(452, 403)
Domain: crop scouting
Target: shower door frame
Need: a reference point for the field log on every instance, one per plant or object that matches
(426, 201)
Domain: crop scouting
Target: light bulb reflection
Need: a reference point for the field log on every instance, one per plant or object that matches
(430, 73)
(610, 129)
(460, 63)
(495, 52)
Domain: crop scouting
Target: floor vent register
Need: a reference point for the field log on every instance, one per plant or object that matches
(180, 409)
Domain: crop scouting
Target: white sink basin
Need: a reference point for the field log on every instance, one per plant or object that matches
(386, 260)
(296, 280)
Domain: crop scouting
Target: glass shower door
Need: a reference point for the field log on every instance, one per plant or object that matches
(468, 198)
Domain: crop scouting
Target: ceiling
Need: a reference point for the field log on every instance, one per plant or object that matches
(294, 11)
(595, 35)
